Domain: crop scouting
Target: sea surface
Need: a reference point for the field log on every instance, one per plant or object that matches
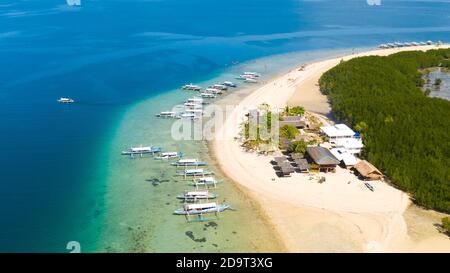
(62, 176)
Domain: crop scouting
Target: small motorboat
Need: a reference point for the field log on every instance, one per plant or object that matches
(65, 100)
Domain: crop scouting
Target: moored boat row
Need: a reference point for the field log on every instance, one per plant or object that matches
(408, 44)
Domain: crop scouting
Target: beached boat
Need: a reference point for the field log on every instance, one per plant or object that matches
(167, 114)
(429, 42)
(229, 84)
(196, 195)
(251, 80)
(191, 87)
(369, 186)
(189, 162)
(194, 172)
(195, 209)
(65, 100)
(141, 150)
(169, 155)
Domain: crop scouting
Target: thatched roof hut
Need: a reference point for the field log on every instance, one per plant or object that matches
(368, 171)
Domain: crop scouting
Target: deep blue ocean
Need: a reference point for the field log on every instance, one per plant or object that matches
(110, 54)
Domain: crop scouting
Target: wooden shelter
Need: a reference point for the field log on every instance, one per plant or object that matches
(368, 171)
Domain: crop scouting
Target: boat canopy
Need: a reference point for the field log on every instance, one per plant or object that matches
(200, 206)
(187, 160)
(141, 149)
(206, 179)
(194, 171)
(197, 193)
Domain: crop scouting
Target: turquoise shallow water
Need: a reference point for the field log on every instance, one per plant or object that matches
(138, 214)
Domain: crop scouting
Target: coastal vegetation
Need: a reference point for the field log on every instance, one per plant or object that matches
(288, 131)
(406, 133)
(298, 147)
(446, 224)
(294, 111)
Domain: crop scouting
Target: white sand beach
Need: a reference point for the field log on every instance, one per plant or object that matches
(340, 215)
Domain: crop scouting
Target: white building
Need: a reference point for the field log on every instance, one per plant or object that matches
(344, 156)
(340, 135)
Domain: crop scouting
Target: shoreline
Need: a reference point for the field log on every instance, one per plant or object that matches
(312, 221)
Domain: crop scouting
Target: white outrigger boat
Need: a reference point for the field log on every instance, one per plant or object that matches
(141, 151)
(200, 209)
(167, 114)
(205, 182)
(229, 84)
(195, 100)
(169, 155)
(191, 116)
(189, 162)
(251, 74)
(193, 105)
(219, 87)
(214, 91)
(208, 95)
(196, 195)
(191, 87)
(65, 100)
(194, 172)
(251, 80)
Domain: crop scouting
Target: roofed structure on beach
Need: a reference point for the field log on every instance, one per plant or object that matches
(302, 164)
(296, 121)
(323, 158)
(344, 156)
(367, 170)
(337, 131)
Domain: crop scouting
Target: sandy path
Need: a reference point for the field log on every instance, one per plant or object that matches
(340, 215)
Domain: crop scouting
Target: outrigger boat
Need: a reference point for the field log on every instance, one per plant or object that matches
(141, 151)
(193, 105)
(65, 100)
(199, 209)
(189, 116)
(207, 95)
(169, 155)
(219, 86)
(250, 80)
(167, 114)
(229, 84)
(214, 91)
(195, 100)
(191, 87)
(194, 172)
(196, 195)
(205, 182)
(252, 74)
(189, 162)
